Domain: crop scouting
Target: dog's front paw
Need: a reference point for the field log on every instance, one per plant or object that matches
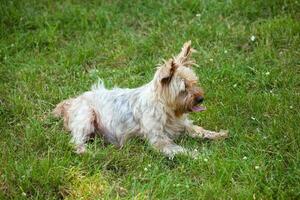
(223, 134)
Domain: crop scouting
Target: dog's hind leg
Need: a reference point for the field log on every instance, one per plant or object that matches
(81, 124)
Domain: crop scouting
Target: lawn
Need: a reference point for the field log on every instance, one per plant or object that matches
(248, 57)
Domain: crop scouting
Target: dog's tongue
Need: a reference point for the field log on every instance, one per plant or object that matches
(198, 108)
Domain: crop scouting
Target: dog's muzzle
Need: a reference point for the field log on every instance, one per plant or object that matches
(198, 108)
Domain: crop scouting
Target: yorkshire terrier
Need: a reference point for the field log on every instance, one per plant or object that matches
(157, 111)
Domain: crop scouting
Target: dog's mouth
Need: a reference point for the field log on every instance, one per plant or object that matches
(198, 108)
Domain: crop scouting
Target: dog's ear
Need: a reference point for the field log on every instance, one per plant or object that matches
(167, 72)
(183, 58)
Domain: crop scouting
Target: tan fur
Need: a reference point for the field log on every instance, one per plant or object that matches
(157, 111)
(61, 110)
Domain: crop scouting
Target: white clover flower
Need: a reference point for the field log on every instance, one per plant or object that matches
(198, 15)
(256, 167)
(244, 158)
(252, 38)
(267, 73)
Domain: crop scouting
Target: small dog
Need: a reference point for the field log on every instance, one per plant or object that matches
(157, 111)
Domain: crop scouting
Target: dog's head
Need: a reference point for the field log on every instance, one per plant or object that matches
(177, 84)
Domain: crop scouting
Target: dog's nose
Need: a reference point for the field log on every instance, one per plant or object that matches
(199, 99)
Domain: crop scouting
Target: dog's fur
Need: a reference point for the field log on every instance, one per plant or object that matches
(156, 111)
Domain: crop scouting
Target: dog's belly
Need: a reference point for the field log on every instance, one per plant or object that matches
(116, 116)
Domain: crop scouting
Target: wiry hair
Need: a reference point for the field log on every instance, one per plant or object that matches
(184, 57)
(172, 77)
(181, 63)
(156, 111)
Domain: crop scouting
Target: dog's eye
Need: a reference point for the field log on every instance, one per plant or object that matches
(185, 86)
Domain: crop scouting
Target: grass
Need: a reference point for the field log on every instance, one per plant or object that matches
(52, 50)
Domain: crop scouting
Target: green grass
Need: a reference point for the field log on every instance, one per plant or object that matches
(52, 50)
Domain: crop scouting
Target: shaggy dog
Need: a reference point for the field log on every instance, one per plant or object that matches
(157, 111)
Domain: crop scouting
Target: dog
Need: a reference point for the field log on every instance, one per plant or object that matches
(157, 111)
